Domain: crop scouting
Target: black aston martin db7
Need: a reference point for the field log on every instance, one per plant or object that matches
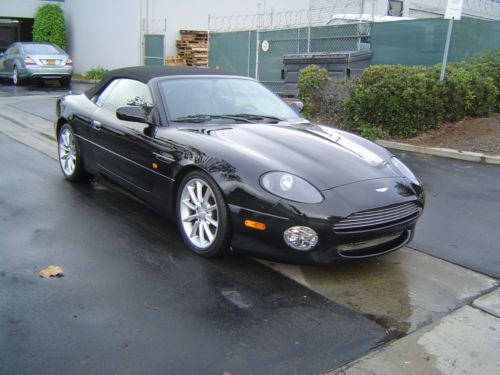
(237, 167)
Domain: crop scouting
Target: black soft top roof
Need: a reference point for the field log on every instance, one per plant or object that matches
(147, 73)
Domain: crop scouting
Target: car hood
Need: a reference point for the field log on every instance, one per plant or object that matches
(324, 156)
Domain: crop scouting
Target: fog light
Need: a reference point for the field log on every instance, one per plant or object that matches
(300, 238)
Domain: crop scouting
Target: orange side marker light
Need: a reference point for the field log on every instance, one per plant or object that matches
(255, 225)
(155, 166)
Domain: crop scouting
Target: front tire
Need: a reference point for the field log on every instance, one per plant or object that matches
(202, 215)
(70, 156)
(16, 80)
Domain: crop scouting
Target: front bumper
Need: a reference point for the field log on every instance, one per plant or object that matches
(46, 72)
(332, 245)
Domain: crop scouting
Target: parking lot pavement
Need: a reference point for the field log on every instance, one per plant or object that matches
(461, 218)
(402, 291)
(133, 299)
(35, 89)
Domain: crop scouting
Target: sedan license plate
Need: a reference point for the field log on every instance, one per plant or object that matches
(50, 62)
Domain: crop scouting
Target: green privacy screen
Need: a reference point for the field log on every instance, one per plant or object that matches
(421, 42)
(236, 52)
(233, 52)
(415, 42)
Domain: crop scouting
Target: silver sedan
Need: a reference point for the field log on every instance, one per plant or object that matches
(24, 61)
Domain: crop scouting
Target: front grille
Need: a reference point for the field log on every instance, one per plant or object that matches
(378, 218)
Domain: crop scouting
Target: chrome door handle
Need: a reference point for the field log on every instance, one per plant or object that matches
(96, 124)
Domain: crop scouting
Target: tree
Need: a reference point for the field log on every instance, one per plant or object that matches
(49, 25)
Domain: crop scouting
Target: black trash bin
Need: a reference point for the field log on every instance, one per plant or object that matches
(347, 64)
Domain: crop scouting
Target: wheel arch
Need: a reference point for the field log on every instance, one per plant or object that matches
(60, 122)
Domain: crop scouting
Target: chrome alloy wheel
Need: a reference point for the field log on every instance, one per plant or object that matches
(67, 152)
(199, 213)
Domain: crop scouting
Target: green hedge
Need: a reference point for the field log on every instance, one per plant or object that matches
(311, 79)
(404, 101)
(400, 100)
(49, 25)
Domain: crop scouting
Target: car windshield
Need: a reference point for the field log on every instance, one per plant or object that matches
(206, 98)
(41, 49)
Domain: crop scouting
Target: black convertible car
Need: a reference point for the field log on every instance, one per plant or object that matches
(237, 167)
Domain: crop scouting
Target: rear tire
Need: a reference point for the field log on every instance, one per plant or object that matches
(203, 216)
(65, 82)
(70, 155)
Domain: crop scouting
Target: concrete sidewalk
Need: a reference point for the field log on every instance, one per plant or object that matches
(464, 342)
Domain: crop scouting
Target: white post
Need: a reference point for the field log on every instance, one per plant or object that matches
(309, 30)
(453, 12)
(257, 45)
(446, 49)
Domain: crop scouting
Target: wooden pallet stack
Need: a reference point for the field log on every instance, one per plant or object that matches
(193, 47)
(175, 61)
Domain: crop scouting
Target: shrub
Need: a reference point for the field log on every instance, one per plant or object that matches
(467, 92)
(329, 101)
(49, 25)
(397, 100)
(96, 73)
(311, 79)
(485, 65)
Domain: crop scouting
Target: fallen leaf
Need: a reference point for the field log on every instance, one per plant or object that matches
(51, 271)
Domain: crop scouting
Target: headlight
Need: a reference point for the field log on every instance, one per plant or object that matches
(288, 186)
(404, 170)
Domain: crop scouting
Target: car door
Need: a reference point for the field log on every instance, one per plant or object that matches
(123, 150)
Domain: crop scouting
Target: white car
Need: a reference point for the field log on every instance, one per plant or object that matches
(23, 61)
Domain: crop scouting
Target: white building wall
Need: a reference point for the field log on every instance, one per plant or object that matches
(103, 33)
(22, 8)
(193, 14)
(110, 33)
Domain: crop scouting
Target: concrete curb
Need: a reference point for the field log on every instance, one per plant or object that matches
(443, 152)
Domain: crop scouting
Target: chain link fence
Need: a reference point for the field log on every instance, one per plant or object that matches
(254, 45)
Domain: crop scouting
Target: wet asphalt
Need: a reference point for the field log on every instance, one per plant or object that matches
(38, 88)
(134, 300)
(461, 219)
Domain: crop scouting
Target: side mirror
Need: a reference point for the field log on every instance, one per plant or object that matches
(297, 106)
(130, 113)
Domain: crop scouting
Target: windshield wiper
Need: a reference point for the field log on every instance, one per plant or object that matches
(206, 118)
(251, 116)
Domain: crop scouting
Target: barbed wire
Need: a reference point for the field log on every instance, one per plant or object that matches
(315, 16)
(282, 20)
(485, 9)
